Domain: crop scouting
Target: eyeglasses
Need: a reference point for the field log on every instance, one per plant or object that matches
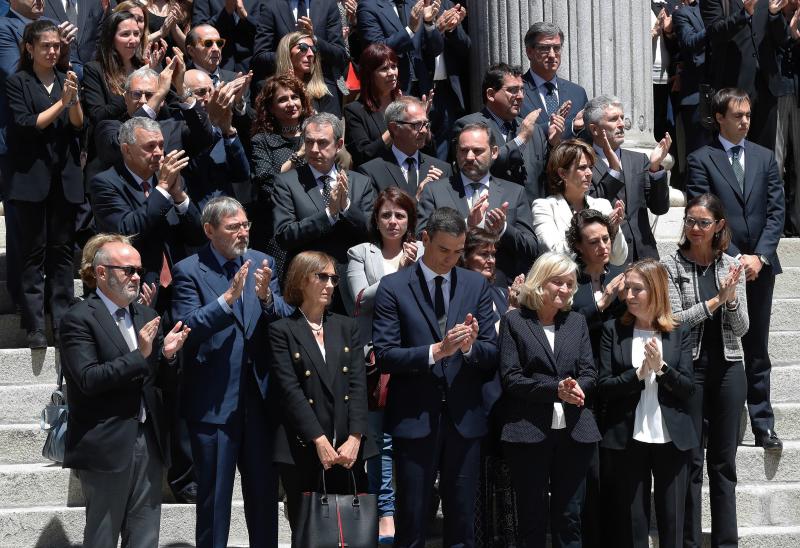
(236, 227)
(324, 278)
(689, 222)
(220, 42)
(136, 94)
(545, 48)
(128, 270)
(201, 92)
(514, 90)
(303, 47)
(417, 126)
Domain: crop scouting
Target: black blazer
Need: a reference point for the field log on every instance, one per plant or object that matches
(106, 383)
(99, 103)
(318, 395)
(583, 303)
(90, 19)
(530, 373)
(619, 386)
(384, 171)
(692, 41)
(239, 33)
(363, 131)
(36, 157)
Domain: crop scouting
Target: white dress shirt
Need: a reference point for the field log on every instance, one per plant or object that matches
(430, 282)
(333, 173)
(648, 425)
(727, 145)
(558, 422)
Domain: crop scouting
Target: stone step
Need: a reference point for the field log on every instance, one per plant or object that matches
(25, 366)
(784, 379)
(23, 403)
(785, 313)
(7, 305)
(788, 283)
(784, 345)
(21, 443)
(12, 335)
(754, 465)
(787, 421)
(788, 250)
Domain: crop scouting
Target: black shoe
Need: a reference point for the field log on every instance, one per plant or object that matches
(36, 339)
(769, 441)
(187, 495)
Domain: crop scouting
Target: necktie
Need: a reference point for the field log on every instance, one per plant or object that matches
(231, 268)
(401, 11)
(411, 174)
(550, 99)
(165, 276)
(508, 130)
(438, 305)
(215, 79)
(326, 189)
(302, 10)
(477, 189)
(72, 12)
(736, 164)
(119, 317)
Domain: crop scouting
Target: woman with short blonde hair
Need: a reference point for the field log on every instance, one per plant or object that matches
(547, 266)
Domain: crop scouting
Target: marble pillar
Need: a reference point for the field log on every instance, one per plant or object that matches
(607, 48)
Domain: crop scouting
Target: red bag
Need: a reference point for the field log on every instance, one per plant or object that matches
(377, 382)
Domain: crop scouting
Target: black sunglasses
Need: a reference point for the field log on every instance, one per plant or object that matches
(323, 277)
(303, 47)
(137, 94)
(128, 270)
(220, 42)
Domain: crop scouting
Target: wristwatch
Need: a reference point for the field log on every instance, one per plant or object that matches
(664, 369)
(185, 96)
(763, 260)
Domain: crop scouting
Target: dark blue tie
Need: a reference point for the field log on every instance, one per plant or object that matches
(550, 99)
(231, 268)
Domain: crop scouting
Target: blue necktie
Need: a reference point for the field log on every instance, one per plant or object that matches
(550, 99)
(231, 268)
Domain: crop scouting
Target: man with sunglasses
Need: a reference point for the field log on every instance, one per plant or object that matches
(227, 295)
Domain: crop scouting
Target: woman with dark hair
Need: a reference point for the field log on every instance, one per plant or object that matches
(319, 370)
(569, 175)
(707, 291)
(297, 55)
(645, 378)
(44, 179)
(366, 133)
(392, 247)
(139, 10)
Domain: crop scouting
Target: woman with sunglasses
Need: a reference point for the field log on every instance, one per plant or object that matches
(297, 56)
(707, 292)
(366, 134)
(44, 180)
(319, 370)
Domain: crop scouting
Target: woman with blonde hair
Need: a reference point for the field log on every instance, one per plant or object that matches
(547, 371)
(297, 55)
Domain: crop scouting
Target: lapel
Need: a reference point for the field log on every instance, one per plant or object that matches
(455, 311)
(416, 282)
(458, 195)
(108, 324)
(58, 9)
(389, 14)
(720, 159)
(496, 193)
(83, 12)
(373, 264)
(538, 332)
(306, 178)
(626, 343)
(750, 180)
(667, 350)
(561, 332)
(130, 186)
(305, 338)
(18, 25)
(396, 173)
(213, 275)
(492, 123)
(599, 170)
(532, 93)
(287, 16)
(693, 13)
(318, 17)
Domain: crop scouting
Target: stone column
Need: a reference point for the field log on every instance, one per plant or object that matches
(607, 48)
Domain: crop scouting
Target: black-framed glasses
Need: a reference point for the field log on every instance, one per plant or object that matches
(689, 222)
(128, 270)
(324, 277)
(207, 43)
(303, 47)
(416, 126)
(137, 94)
(545, 48)
(236, 227)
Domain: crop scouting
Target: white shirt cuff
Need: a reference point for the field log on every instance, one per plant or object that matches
(431, 361)
(150, 112)
(224, 305)
(614, 173)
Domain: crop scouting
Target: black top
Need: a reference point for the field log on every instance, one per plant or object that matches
(711, 346)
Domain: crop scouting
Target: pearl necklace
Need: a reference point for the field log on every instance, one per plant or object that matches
(316, 330)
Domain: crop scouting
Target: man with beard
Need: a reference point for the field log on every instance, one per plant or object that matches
(638, 181)
(484, 201)
(116, 364)
(227, 295)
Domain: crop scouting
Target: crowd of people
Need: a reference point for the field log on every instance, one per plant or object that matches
(307, 257)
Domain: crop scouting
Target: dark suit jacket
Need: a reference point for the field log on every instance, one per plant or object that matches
(518, 247)
(379, 23)
(755, 218)
(11, 28)
(363, 131)
(642, 192)
(692, 41)
(619, 386)
(98, 102)
(238, 33)
(384, 171)
(211, 173)
(119, 205)
(106, 383)
(300, 220)
(403, 328)
(530, 373)
(584, 304)
(524, 166)
(90, 18)
(566, 91)
(457, 44)
(222, 347)
(37, 158)
(318, 396)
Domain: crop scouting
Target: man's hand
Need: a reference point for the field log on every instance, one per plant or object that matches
(173, 341)
(600, 137)
(527, 125)
(578, 123)
(155, 53)
(171, 166)
(237, 285)
(477, 211)
(147, 335)
(452, 341)
(431, 10)
(342, 189)
(146, 294)
(496, 219)
(164, 83)
(434, 174)
(752, 266)
(67, 32)
(660, 152)
(180, 70)
(409, 257)
(230, 6)
(348, 451)
(304, 24)
(472, 335)
(556, 129)
(263, 277)
(775, 6)
(750, 6)
(513, 291)
(415, 20)
(241, 11)
(240, 85)
(220, 107)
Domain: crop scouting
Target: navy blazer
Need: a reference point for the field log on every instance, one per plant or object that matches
(384, 171)
(621, 389)
(238, 33)
(404, 326)
(567, 91)
(530, 372)
(692, 41)
(755, 218)
(221, 346)
(11, 28)
(90, 19)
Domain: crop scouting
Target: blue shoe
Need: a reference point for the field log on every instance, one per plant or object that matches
(385, 539)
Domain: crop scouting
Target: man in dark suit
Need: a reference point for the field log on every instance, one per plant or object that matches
(236, 21)
(143, 196)
(524, 144)
(87, 17)
(543, 88)
(639, 182)
(745, 177)
(403, 165)
(116, 364)
(434, 333)
(485, 201)
(319, 206)
(226, 294)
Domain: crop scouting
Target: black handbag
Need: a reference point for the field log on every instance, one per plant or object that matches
(54, 422)
(337, 521)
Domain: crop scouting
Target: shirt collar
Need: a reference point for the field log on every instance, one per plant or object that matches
(110, 305)
(727, 145)
(139, 179)
(601, 155)
(466, 181)
(220, 259)
(317, 174)
(430, 274)
(539, 81)
(22, 17)
(500, 121)
(402, 156)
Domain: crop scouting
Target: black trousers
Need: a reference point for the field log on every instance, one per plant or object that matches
(756, 351)
(632, 467)
(558, 464)
(719, 395)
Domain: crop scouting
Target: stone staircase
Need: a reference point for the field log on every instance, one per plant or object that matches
(41, 504)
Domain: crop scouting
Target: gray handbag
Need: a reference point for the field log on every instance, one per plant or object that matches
(54, 422)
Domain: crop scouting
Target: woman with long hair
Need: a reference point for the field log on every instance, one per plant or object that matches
(297, 55)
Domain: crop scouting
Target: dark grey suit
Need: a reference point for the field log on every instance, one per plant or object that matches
(384, 171)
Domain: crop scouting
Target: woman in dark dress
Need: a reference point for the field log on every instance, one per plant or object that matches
(707, 292)
(366, 134)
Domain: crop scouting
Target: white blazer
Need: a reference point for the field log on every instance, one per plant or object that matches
(552, 217)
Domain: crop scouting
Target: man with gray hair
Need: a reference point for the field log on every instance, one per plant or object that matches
(319, 206)
(626, 178)
(403, 165)
(227, 295)
(543, 88)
